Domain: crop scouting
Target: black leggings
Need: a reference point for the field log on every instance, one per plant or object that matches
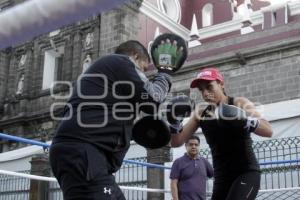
(244, 187)
(82, 172)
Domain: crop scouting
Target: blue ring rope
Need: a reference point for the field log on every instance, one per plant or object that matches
(45, 145)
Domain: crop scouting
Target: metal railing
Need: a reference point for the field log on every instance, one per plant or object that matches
(14, 188)
(278, 175)
(133, 175)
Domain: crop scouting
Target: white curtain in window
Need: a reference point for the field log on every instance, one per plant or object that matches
(49, 70)
(50, 67)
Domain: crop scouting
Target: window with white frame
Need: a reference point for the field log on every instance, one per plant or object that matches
(52, 67)
(207, 15)
(171, 8)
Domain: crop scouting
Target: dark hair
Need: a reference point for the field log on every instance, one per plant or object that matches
(193, 137)
(223, 88)
(132, 47)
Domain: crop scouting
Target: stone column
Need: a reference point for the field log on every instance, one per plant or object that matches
(155, 176)
(39, 190)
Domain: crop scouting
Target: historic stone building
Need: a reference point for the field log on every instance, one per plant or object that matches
(29, 70)
(254, 43)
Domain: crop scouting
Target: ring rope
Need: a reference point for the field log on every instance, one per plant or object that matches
(51, 179)
(33, 142)
(151, 165)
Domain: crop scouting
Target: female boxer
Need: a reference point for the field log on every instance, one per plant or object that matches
(226, 124)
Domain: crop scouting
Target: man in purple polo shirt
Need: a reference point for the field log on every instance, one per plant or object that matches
(189, 173)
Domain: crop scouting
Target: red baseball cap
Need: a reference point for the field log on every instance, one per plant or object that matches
(210, 74)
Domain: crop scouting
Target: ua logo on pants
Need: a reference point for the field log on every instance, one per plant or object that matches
(105, 190)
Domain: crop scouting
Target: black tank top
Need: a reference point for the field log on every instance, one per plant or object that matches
(231, 149)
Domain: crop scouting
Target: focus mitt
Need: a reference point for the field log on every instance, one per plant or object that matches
(151, 132)
(169, 52)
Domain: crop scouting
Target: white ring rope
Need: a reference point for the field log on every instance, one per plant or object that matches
(35, 177)
(34, 17)
(51, 179)
(281, 189)
(145, 189)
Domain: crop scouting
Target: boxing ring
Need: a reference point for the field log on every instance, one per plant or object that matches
(291, 191)
(49, 15)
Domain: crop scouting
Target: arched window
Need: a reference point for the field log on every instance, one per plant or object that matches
(171, 8)
(207, 15)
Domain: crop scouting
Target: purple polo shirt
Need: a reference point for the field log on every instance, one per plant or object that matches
(192, 175)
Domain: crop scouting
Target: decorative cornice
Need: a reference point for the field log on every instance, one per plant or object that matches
(219, 29)
(43, 114)
(294, 8)
(211, 31)
(248, 52)
(273, 8)
(155, 14)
